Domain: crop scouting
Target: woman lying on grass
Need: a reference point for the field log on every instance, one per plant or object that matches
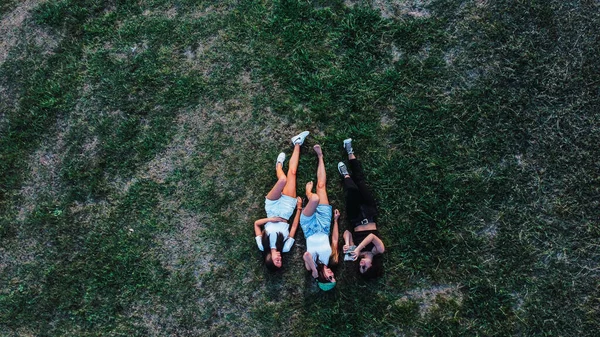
(362, 212)
(276, 237)
(321, 254)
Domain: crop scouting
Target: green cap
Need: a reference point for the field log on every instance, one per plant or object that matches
(326, 286)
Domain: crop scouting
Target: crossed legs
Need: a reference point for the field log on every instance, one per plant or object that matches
(286, 184)
(290, 187)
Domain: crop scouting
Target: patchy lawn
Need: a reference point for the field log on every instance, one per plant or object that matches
(138, 140)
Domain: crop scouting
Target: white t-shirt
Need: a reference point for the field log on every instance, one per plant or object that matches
(272, 229)
(319, 244)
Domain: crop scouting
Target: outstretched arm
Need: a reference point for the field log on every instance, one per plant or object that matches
(296, 217)
(335, 235)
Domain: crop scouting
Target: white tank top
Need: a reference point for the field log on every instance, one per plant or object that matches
(318, 244)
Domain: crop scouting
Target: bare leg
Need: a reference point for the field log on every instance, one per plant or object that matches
(279, 170)
(351, 156)
(290, 186)
(313, 200)
(321, 177)
(275, 192)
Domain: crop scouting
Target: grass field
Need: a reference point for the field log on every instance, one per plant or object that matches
(138, 139)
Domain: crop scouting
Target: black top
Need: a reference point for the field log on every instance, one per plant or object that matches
(358, 237)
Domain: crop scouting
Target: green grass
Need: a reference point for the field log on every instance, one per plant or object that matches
(136, 152)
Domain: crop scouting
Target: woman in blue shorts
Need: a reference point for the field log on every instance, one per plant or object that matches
(273, 233)
(321, 254)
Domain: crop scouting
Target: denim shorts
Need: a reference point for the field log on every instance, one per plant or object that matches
(319, 222)
(283, 207)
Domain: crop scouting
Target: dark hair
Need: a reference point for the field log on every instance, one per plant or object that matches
(321, 269)
(267, 249)
(376, 269)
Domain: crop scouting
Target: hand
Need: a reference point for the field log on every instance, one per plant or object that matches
(336, 214)
(298, 203)
(279, 219)
(355, 254)
(345, 248)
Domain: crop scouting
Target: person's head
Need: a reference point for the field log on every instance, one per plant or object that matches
(272, 256)
(369, 266)
(326, 277)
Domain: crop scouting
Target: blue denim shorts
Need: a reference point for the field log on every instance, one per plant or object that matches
(319, 222)
(283, 207)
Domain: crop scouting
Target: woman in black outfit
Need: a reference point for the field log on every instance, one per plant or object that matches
(361, 211)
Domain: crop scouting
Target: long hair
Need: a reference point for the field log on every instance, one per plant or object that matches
(375, 271)
(321, 268)
(334, 258)
(267, 249)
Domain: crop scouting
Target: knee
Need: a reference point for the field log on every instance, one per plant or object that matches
(292, 171)
(320, 185)
(314, 198)
(282, 180)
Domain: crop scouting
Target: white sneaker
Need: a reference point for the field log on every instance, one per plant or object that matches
(348, 145)
(280, 159)
(299, 139)
(343, 169)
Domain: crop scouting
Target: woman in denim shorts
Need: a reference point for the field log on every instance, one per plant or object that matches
(273, 233)
(321, 254)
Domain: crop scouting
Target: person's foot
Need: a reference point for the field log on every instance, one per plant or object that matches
(343, 169)
(280, 159)
(299, 139)
(309, 187)
(348, 146)
(318, 150)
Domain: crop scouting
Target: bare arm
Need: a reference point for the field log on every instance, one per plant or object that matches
(347, 241)
(378, 249)
(260, 222)
(335, 235)
(309, 264)
(296, 218)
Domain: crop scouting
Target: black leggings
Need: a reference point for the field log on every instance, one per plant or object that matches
(360, 203)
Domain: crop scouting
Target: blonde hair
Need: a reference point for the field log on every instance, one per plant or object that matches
(335, 255)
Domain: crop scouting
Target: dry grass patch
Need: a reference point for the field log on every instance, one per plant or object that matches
(15, 27)
(396, 9)
(43, 180)
(218, 9)
(429, 298)
(6, 102)
(183, 246)
(200, 58)
(157, 320)
(23, 252)
(209, 317)
(91, 212)
(194, 128)
(183, 13)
